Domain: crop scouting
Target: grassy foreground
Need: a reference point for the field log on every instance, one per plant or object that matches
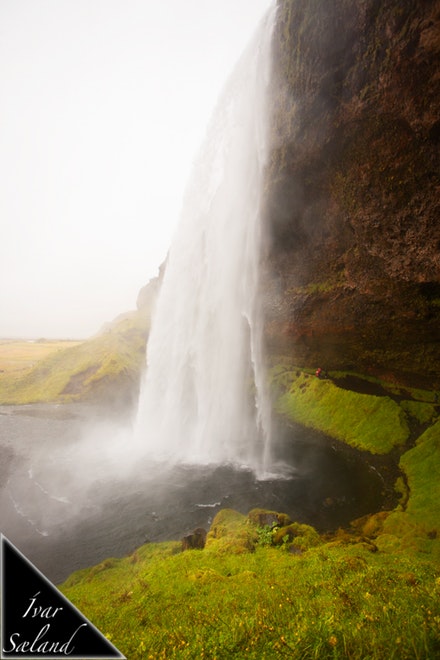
(371, 591)
(242, 596)
(280, 590)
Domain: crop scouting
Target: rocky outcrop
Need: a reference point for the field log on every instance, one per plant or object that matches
(352, 272)
(195, 541)
(147, 296)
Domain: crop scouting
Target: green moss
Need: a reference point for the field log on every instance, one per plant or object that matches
(371, 525)
(395, 389)
(416, 523)
(423, 413)
(231, 533)
(297, 536)
(325, 286)
(401, 489)
(335, 601)
(372, 423)
(421, 465)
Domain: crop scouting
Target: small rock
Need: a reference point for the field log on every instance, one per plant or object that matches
(195, 541)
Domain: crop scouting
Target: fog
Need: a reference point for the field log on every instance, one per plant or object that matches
(104, 106)
(75, 490)
(72, 471)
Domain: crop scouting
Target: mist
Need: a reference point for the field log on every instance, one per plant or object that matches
(74, 471)
(77, 490)
(103, 107)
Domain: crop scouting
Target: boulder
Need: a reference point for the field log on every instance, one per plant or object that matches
(195, 541)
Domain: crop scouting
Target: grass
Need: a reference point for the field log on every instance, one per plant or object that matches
(265, 589)
(17, 356)
(370, 423)
(417, 524)
(334, 600)
(422, 467)
(104, 366)
(379, 424)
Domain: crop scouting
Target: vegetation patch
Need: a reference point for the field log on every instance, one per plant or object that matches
(331, 601)
(18, 356)
(371, 423)
(418, 522)
(105, 367)
(231, 533)
(379, 424)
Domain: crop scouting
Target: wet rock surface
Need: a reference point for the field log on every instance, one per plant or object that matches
(352, 274)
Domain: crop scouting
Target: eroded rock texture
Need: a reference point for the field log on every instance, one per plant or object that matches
(353, 198)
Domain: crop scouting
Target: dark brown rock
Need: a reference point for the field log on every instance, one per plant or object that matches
(352, 271)
(195, 541)
(267, 518)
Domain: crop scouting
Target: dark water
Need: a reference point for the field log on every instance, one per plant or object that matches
(68, 503)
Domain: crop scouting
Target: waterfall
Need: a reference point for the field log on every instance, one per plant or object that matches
(203, 398)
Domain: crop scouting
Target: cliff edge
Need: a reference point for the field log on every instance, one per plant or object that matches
(352, 272)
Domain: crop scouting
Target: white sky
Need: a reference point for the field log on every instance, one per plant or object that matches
(103, 105)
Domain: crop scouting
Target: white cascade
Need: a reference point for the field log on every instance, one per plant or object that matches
(203, 398)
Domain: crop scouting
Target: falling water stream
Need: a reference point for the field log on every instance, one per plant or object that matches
(204, 398)
(76, 488)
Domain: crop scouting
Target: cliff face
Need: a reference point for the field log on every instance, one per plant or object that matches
(352, 274)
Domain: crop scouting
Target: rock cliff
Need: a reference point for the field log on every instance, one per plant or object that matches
(352, 270)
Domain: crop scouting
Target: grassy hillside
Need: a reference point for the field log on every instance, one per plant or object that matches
(368, 414)
(105, 368)
(401, 422)
(243, 596)
(267, 587)
(372, 423)
(17, 356)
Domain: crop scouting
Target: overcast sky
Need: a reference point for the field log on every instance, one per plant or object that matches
(104, 104)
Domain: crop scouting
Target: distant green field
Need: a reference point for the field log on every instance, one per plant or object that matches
(105, 367)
